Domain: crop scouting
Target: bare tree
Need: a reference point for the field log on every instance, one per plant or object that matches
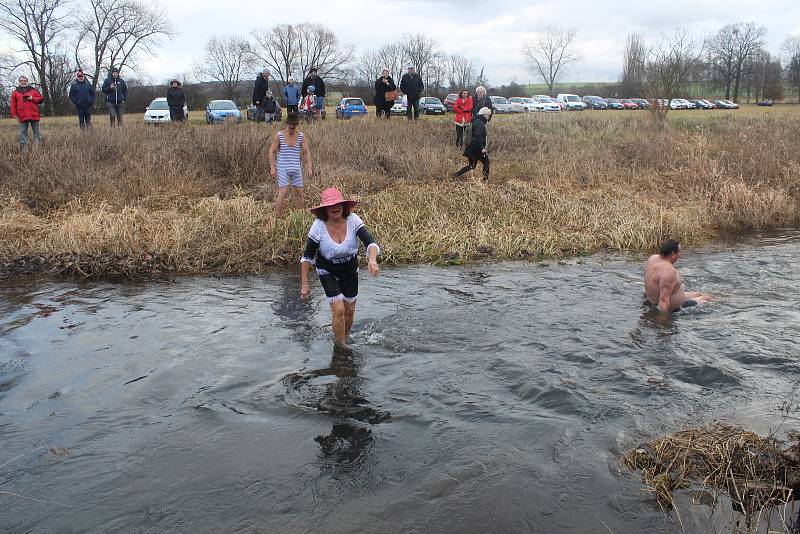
(549, 52)
(461, 72)
(278, 49)
(436, 73)
(367, 68)
(60, 75)
(733, 48)
(392, 57)
(791, 57)
(418, 50)
(226, 60)
(633, 63)
(35, 26)
(670, 66)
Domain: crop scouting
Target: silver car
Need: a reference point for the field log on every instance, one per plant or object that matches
(501, 105)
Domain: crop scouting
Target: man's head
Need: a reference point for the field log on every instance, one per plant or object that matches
(265, 73)
(312, 71)
(670, 250)
(115, 72)
(23, 81)
(411, 69)
(269, 94)
(80, 76)
(480, 91)
(291, 80)
(292, 121)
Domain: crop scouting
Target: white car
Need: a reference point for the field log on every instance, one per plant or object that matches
(678, 103)
(158, 112)
(521, 104)
(547, 104)
(501, 105)
(400, 106)
(571, 102)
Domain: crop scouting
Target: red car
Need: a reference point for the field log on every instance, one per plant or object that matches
(629, 104)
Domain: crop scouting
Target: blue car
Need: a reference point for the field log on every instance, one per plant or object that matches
(351, 107)
(222, 111)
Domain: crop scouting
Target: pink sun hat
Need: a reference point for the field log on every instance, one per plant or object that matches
(331, 197)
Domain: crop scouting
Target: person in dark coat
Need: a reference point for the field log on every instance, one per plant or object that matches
(116, 91)
(260, 89)
(384, 86)
(481, 101)
(270, 107)
(25, 102)
(82, 95)
(319, 90)
(412, 86)
(176, 100)
(476, 149)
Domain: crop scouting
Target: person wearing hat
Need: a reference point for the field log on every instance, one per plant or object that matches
(176, 100)
(116, 91)
(412, 86)
(25, 102)
(332, 248)
(82, 95)
(270, 107)
(476, 151)
(260, 89)
(289, 155)
(291, 96)
(313, 79)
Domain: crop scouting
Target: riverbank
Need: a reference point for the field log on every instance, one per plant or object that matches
(199, 199)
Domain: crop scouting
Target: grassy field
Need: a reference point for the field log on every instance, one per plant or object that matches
(198, 198)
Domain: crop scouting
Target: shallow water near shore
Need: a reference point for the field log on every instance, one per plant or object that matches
(487, 398)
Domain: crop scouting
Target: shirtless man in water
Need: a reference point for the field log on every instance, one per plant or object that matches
(662, 281)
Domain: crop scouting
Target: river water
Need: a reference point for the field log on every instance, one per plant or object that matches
(488, 398)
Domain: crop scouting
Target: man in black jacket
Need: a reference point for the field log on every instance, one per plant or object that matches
(481, 101)
(412, 86)
(476, 150)
(82, 95)
(260, 89)
(319, 89)
(176, 100)
(116, 91)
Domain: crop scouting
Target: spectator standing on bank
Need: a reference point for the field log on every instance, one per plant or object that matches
(260, 89)
(412, 86)
(116, 91)
(176, 100)
(82, 95)
(313, 79)
(291, 96)
(25, 102)
(270, 107)
(476, 150)
(463, 110)
(481, 101)
(385, 94)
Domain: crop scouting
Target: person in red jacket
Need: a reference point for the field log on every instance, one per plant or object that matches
(25, 102)
(463, 110)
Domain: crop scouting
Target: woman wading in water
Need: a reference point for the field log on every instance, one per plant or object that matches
(332, 248)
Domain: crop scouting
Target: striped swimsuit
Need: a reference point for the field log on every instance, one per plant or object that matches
(289, 169)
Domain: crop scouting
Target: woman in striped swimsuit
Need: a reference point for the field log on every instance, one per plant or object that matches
(288, 147)
(332, 248)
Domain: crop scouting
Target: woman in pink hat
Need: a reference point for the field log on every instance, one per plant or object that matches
(332, 248)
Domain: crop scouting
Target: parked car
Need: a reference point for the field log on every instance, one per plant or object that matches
(643, 104)
(571, 102)
(450, 101)
(629, 103)
(701, 104)
(722, 104)
(708, 103)
(677, 103)
(250, 113)
(222, 111)
(767, 102)
(613, 103)
(501, 105)
(430, 105)
(547, 105)
(351, 107)
(595, 102)
(158, 112)
(521, 104)
(400, 106)
(732, 104)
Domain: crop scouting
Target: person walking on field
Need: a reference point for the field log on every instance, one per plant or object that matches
(463, 119)
(385, 94)
(476, 149)
(260, 89)
(176, 100)
(332, 248)
(25, 102)
(314, 80)
(412, 86)
(481, 101)
(289, 156)
(82, 95)
(291, 96)
(116, 91)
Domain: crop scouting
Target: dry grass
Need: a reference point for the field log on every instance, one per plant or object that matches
(199, 199)
(753, 472)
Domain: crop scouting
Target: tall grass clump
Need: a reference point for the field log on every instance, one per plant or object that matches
(199, 199)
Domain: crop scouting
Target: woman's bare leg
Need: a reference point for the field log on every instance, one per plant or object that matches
(349, 313)
(339, 323)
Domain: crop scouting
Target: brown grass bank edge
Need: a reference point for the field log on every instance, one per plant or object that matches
(199, 199)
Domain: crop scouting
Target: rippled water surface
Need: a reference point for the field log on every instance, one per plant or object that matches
(487, 398)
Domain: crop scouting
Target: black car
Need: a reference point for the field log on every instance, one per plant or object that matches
(700, 104)
(595, 102)
(643, 104)
(613, 103)
(430, 105)
(765, 103)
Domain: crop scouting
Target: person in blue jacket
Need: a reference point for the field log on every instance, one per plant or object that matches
(82, 96)
(291, 96)
(116, 91)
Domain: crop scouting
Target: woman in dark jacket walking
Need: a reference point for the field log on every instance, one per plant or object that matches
(176, 100)
(384, 86)
(476, 149)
